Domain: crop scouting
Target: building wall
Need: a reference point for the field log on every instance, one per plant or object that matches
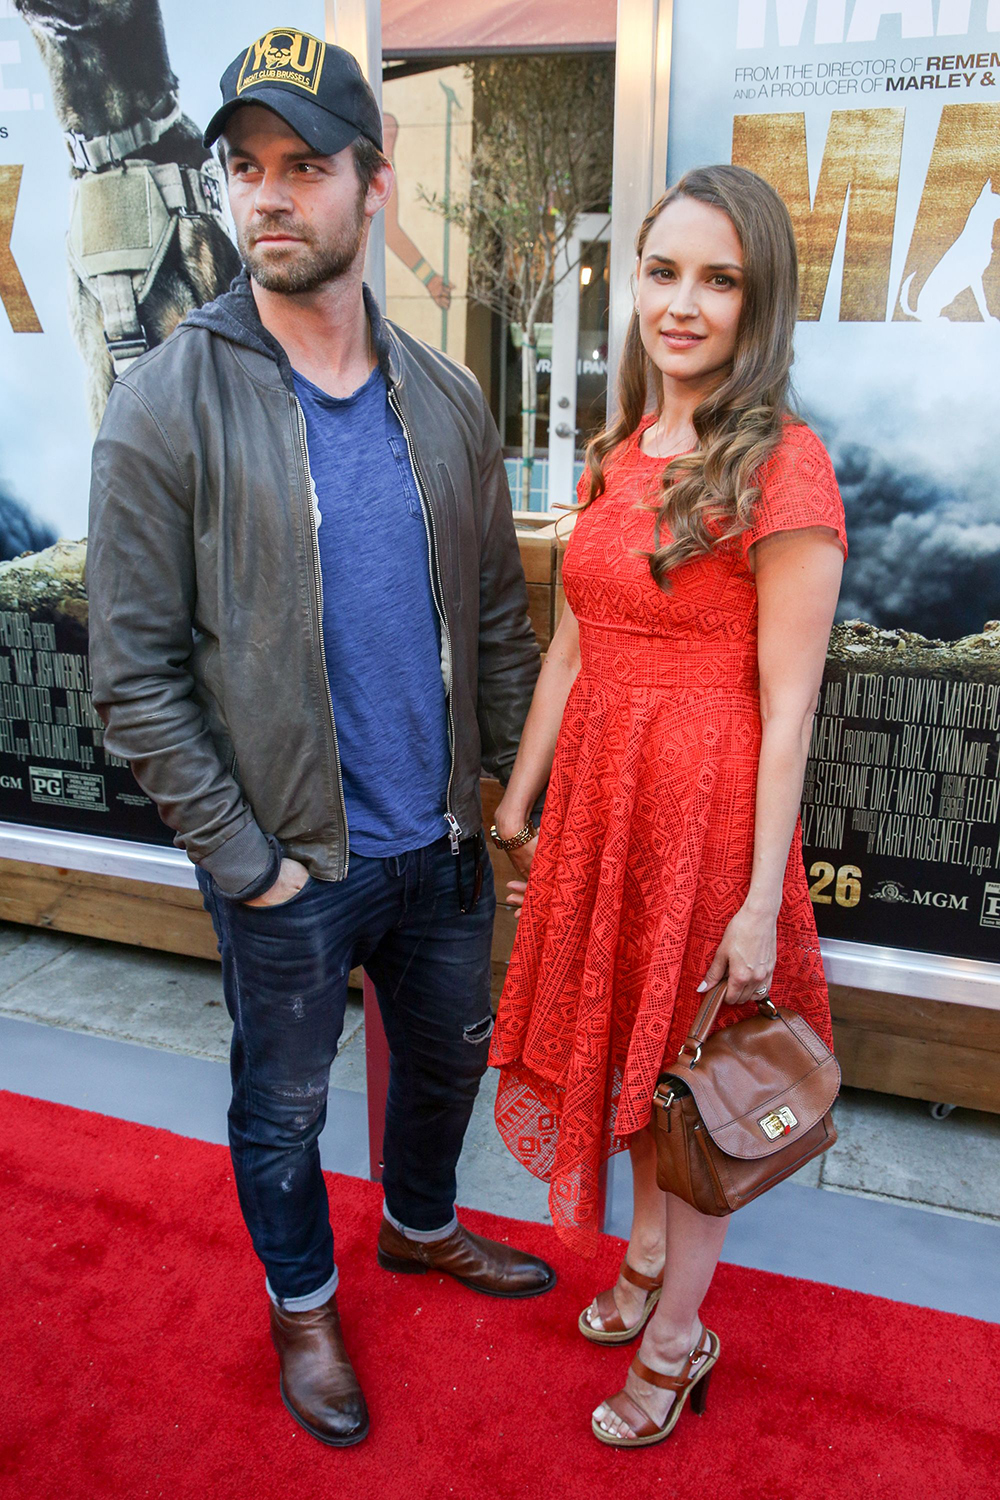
(428, 157)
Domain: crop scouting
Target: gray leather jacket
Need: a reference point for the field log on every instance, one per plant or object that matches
(206, 639)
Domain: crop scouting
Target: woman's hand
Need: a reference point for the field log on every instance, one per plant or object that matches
(508, 822)
(746, 956)
(521, 860)
(537, 747)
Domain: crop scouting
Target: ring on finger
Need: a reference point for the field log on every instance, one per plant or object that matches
(762, 992)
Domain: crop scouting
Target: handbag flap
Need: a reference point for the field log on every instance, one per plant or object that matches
(761, 1083)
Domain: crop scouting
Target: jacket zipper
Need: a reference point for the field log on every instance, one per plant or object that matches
(454, 827)
(318, 580)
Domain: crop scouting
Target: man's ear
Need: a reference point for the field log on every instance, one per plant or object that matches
(380, 189)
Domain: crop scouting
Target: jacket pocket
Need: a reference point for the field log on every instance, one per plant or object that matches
(407, 479)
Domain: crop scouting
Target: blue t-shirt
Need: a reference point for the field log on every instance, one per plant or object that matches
(380, 626)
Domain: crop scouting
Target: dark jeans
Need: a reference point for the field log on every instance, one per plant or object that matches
(284, 971)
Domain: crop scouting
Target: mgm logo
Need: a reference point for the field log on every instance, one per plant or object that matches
(283, 57)
(892, 891)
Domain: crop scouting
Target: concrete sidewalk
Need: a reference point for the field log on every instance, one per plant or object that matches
(889, 1148)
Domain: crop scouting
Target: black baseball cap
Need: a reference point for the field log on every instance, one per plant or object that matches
(317, 89)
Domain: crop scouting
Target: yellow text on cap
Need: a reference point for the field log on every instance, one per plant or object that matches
(283, 56)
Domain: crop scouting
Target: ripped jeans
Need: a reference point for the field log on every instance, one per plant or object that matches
(285, 971)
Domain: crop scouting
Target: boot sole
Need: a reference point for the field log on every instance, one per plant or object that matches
(331, 1442)
(416, 1268)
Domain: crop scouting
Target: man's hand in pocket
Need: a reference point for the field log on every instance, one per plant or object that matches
(291, 878)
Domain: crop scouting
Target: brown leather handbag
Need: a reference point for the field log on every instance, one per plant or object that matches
(743, 1109)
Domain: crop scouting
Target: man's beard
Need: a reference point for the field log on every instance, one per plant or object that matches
(309, 265)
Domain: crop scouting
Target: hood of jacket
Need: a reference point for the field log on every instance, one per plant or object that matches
(234, 316)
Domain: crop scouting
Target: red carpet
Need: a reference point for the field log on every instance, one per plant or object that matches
(137, 1361)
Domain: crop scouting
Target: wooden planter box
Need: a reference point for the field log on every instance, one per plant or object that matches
(166, 917)
(542, 562)
(892, 1043)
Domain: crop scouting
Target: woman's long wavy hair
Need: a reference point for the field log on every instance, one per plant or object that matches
(707, 496)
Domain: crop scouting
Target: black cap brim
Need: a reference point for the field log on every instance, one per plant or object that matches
(323, 131)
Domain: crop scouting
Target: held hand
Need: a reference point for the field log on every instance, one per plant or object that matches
(508, 823)
(521, 859)
(291, 878)
(746, 957)
(515, 894)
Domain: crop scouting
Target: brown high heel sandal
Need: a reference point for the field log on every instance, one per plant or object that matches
(615, 1330)
(690, 1382)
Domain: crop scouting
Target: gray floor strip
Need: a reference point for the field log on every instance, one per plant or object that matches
(187, 1095)
(906, 1254)
(890, 1250)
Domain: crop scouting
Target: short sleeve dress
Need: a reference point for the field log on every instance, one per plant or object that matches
(647, 835)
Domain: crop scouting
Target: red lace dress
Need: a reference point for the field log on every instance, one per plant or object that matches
(647, 836)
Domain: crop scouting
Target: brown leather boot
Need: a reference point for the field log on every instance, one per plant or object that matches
(485, 1265)
(318, 1384)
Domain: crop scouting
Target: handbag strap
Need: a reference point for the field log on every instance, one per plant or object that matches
(706, 1017)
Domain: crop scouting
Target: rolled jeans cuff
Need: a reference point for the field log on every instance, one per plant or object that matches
(423, 1236)
(310, 1300)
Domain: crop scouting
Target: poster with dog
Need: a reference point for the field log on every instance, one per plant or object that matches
(880, 127)
(113, 227)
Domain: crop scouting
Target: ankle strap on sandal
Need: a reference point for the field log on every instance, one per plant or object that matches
(675, 1383)
(644, 1283)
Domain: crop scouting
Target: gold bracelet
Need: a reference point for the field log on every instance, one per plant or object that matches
(523, 836)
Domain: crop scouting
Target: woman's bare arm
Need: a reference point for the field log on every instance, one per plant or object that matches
(798, 580)
(538, 743)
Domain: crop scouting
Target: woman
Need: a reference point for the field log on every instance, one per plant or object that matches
(671, 722)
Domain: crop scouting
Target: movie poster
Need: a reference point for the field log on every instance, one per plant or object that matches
(113, 224)
(880, 126)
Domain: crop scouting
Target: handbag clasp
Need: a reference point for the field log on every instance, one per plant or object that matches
(779, 1122)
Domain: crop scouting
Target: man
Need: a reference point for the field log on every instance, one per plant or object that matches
(309, 628)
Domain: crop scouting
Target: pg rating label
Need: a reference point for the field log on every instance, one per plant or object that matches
(59, 787)
(990, 914)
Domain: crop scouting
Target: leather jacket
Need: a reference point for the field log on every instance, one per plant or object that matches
(206, 639)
